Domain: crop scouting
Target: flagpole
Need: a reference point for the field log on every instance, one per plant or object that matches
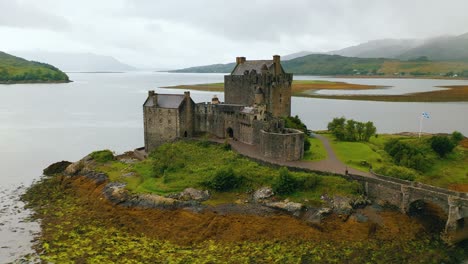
(420, 125)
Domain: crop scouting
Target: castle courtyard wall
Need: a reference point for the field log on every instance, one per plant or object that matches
(287, 146)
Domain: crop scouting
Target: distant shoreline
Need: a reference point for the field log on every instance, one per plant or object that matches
(33, 82)
(95, 72)
(434, 77)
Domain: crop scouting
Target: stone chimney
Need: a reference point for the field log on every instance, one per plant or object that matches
(240, 60)
(215, 100)
(187, 96)
(153, 96)
(277, 62)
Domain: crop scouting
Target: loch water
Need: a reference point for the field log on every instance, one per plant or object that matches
(44, 123)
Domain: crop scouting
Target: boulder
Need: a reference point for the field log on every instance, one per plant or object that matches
(74, 168)
(57, 167)
(315, 216)
(342, 206)
(116, 192)
(82, 166)
(262, 194)
(291, 207)
(191, 194)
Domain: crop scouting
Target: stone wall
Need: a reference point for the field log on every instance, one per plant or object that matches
(287, 145)
(160, 126)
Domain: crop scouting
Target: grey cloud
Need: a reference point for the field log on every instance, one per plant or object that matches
(21, 15)
(264, 20)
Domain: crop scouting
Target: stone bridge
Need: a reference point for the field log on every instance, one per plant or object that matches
(449, 206)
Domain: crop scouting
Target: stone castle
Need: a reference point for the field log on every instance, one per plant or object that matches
(257, 97)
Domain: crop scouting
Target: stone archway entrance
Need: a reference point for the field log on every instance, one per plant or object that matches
(230, 132)
(185, 134)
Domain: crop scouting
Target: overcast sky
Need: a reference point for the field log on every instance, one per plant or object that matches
(179, 33)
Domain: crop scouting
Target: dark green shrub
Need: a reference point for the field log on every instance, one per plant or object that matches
(397, 172)
(223, 180)
(409, 154)
(102, 156)
(204, 143)
(457, 137)
(226, 146)
(285, 183)
(442, 145)
(296, 123)
(306, 144)
(167, 158)
(308, 182)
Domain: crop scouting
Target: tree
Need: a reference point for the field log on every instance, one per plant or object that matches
(442, 145)
(369, 131)
(337, 127)
(351, 130)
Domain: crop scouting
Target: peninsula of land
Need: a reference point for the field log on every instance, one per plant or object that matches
(306, 88)
(18, 70)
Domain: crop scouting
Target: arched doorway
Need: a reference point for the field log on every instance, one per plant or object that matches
(430, 215)
(230, 132)
(185, 134)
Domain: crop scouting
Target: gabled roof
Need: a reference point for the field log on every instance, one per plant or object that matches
(166, 100)
(256, 65)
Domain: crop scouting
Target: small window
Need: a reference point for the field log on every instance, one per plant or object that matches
(160, 121)
(169, 121)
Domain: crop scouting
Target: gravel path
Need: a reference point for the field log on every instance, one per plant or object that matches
(331, 164)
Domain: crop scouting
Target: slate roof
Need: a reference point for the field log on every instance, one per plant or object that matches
(253, 65)
(166, 100)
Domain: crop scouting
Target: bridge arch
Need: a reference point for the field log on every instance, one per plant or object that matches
(432, 216)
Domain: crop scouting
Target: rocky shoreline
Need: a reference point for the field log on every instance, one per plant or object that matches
(261, 202)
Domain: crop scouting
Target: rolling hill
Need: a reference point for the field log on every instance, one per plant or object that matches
(18, 70)
(323, 64)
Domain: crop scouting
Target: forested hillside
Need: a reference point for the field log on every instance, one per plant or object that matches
(18, 70)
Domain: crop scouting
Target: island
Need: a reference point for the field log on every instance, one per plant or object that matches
(245, 182)
(18, 70)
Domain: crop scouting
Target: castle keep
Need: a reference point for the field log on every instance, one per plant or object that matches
(257, 95)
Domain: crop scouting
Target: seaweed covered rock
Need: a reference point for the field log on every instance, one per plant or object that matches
(262, 194)
(57, 167)
(191, 194)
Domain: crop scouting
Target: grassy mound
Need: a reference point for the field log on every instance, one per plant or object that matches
(176, 166)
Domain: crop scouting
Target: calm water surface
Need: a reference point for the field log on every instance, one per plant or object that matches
(44, 123)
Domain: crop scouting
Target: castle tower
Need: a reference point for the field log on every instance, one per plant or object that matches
(241, 85)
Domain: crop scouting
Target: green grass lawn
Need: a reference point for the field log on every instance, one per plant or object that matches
(317, 151)
(359, 155)
(451, 171)
(193, 163)
(448, 172)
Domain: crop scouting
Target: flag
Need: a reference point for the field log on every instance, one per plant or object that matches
(425, 115)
